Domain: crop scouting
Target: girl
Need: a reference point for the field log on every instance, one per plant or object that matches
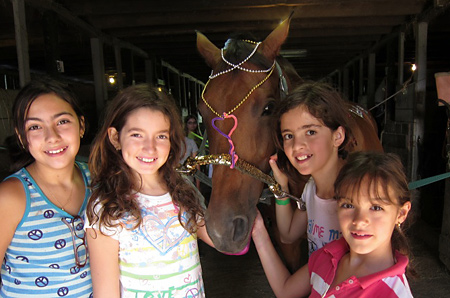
(311, 131)
(144, 218)
(372, 257)
(42, 243)
(191, 129)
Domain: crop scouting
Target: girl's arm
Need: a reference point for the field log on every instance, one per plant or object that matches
(12, 209)
(283, 284)
(104, 259)
(291, 223)
(203, 234)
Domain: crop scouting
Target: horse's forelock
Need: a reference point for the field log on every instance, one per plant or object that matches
(237, 49)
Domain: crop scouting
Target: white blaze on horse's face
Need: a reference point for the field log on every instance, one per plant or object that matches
(234, 196)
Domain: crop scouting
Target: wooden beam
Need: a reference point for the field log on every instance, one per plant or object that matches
(22, 41)
(227, 15)
(73, 20)
(139, 6)
(265, 27)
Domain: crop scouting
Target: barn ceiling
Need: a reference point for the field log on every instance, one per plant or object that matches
(328, 33)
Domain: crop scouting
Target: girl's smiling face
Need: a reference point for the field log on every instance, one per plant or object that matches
(53, 131)
(144, 141)
(368, 218)
(308, 143)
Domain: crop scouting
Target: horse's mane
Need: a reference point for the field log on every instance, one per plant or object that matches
(290, 72)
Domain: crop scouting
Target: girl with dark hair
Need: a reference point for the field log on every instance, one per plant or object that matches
(191, 129)
(144, 217)
(42, 204)
(311, 133)
(372, 257)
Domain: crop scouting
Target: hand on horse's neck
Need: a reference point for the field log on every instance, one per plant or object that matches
(325, 181)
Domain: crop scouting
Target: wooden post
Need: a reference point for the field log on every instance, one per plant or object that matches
(401, 57)
(371, 81)
(98, 66)
(345, 82)
(51, 44)
(361, 79)
(420, 91)
(118, 60)
(149, 71)
(21, 41)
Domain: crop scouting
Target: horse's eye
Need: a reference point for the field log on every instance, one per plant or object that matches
(268, 109)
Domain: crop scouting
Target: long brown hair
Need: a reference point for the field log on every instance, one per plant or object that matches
(113, 181)
(380, 169)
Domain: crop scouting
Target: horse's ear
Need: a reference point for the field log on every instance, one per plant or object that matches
(208, 50)
(272, 44)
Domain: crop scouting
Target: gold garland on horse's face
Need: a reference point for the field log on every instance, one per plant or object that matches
(189, 168)
(238, 66)
(232, 159)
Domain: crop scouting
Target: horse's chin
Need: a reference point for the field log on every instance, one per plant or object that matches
(242, 252)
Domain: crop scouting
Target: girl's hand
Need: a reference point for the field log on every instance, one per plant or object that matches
(259, 232)
(279, 176)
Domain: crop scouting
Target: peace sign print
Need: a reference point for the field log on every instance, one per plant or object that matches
(54, 266)
(60, 243)
(17, 282)
(49, 213)
(22, 258)
(35, 234)
(74, 270)
(192, 293)
(41, 281)
(63, 291)
(79, 227)
(83, 275)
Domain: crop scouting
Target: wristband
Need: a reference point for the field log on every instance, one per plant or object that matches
(282, 202)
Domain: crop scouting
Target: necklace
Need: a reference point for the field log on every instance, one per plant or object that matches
(47, 191)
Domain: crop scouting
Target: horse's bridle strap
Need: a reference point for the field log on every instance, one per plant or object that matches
(189, 168)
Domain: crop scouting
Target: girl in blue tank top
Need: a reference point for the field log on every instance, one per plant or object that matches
(43, 245)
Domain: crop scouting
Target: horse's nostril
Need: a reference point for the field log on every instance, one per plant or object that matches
(240, 228)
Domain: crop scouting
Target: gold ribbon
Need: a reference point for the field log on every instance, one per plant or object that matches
(189, 168)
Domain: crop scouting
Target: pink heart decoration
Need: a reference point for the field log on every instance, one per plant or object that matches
(234, 156)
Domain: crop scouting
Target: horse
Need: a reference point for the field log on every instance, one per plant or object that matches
(248, 78)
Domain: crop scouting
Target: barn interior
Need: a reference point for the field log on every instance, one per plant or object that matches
(365, 48)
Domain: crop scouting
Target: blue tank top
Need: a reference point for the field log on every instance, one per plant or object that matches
(40, 261)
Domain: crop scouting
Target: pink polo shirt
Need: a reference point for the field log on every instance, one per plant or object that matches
(323, 264)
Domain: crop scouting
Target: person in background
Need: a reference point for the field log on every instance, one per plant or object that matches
(191, 129)
(372, 257)
(143, 218)
(41, 206)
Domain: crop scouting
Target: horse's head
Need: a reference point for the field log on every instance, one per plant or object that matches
(248, 91)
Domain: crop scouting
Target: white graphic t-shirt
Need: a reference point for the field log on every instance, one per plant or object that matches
(323, 225)
(159, 258)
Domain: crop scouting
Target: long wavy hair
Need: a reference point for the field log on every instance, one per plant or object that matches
(323, 102)
(113, 183)
(18, 144)
(380, 169)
